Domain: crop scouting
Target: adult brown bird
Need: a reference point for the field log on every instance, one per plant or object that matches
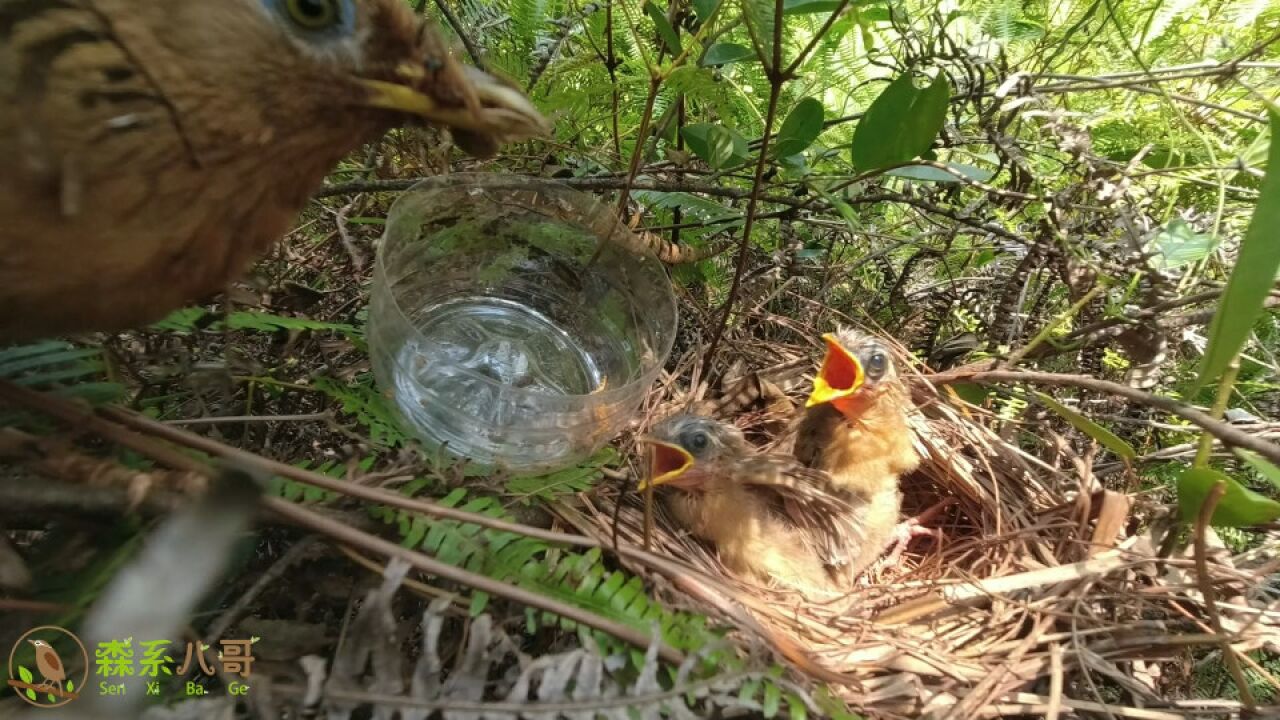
(763, 513)
(855, 428)
(152, 149)
(49, 664)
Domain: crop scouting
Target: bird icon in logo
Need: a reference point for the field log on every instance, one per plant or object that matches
(49, 664)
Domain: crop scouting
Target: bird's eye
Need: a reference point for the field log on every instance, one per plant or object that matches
(697, 441)
(317, 15)
(877, 363)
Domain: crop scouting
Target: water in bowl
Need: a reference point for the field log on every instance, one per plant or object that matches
(469, 373)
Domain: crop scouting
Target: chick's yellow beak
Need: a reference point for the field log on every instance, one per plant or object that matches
(840, 376)
(667, 462)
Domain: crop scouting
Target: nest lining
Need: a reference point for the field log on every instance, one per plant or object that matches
(1038, 593)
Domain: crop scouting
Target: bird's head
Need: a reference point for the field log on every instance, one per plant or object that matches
(855, 372)
(39, 643)
(345, 65)
(685, 450)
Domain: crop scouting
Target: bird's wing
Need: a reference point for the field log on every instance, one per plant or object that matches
(792, 483)
(831, 519)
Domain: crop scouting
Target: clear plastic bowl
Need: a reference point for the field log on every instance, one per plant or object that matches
(510, 322)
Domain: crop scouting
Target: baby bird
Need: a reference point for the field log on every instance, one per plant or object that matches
(740, 500)
(855, 429)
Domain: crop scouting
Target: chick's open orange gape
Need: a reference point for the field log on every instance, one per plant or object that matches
(840, 376)
(743, 502)
(855, 428)
(154, 148)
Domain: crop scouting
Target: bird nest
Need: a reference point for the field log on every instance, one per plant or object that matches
(1046, 592)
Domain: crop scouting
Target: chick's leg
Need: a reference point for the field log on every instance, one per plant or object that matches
(912, 528)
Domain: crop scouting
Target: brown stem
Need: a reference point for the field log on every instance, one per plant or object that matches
(1228, 434)
(1210, 594)
(655, 82)
(371, 543)
(139, 432)
(611, 64)
(777, 78)
(89, 421)
(458, 29)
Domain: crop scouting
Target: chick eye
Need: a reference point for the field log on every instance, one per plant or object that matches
(315, 15)
(876, 365)
(697, 441)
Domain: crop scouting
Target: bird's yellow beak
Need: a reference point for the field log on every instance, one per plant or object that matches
(841, 374)
(667, 462)
(479, 105)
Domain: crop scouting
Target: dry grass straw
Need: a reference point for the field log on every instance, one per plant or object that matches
(1039, 601)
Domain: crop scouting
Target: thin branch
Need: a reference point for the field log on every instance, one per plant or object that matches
(89, 421)
(1205, 582)
(358, 538)
(472, 49)
(1228, 434)
(585, 183)
(776, 80)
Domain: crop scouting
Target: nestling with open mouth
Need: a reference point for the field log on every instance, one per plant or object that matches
(764, 514)
(855, 429)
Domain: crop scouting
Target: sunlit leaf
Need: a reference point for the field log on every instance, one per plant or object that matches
(1239, 507)
(1261, 465)
(725, 53)
(802, 126)
(901, 123)
(772, 699)
(801, 7)
(1105, 437)
(1179, 244)
(665, 31)
(796, 709)
(1252, 276)
(933, 174)
(704, 8)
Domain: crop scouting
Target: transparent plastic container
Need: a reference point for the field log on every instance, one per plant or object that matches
(510, 322)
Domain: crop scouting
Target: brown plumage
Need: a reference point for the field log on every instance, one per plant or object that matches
(763, 513)
(153, 149)
(855, 429)
(49, 664)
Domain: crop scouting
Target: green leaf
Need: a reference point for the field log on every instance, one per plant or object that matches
(972, 393)
(1239, 507)
(665, 31)
(796, 709)
(717, 145)
(772, 696)
(933, 174)
(725, 53)
(803, 7)
(31, 694)
(704, 8)
(802, 126)
(1261, 465)
(25, 675)
(1252, 276)
(901, 123)
(71, 686)
(1178, 244)
(1105, 437)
